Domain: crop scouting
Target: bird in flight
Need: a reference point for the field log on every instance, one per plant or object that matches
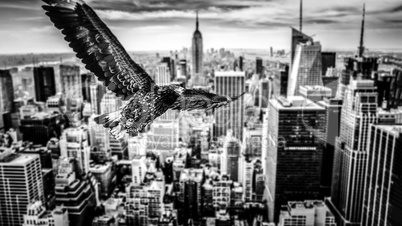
(102, 54)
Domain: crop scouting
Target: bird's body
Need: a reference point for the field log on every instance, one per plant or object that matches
(104, 56)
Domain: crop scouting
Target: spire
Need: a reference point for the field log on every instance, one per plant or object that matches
(301, 15)
(196, 22)
(361, 47)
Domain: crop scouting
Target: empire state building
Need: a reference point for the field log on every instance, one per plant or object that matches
(197, 54)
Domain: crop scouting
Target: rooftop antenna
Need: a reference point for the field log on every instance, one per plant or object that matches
(361, 47)
(196, 23)
(301, 15)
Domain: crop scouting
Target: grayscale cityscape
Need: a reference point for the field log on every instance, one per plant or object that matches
(200, 113)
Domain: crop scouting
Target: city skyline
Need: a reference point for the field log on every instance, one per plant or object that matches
(147, 25)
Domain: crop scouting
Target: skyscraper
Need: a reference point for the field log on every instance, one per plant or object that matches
(306, 67)
(383, 189)
(71, 82)
(259, 66)
(197, 76)
(6, 92)
(45, 85)
(333, 109)
(328, 61)
(297, 38)
(230, 117)
(358, 112)
(296, 139)
(21, 183)
(76, 195)
(162, 76)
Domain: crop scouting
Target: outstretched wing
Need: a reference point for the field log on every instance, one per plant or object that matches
(97, 47)
(192, 99)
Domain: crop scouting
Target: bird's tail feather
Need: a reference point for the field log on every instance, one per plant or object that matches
(109, 120)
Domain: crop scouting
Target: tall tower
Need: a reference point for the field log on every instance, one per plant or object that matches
(361, 47)
(21, 183)
(301, 15)
(306, 68)
(359, 110)
(230, 84)
(197, 55)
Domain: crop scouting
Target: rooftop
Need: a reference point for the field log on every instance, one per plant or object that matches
(294, 103)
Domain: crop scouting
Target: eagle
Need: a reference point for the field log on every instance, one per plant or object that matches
(102, 54)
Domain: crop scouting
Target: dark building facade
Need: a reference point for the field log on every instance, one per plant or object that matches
(40, 130)
(328, 61)
(259, 66)
(296, 141)
(333, 109)
(45, 85)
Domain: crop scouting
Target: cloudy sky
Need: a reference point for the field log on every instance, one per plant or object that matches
(169, 24)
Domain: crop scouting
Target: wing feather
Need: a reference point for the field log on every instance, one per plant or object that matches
(192, 99)
(97, 47)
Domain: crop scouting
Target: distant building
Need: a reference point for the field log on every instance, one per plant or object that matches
(96, 95)
(197, 76)
(280, 81)
(99, 141)
(315, 93)
(40, 127)
(21, 183)
(306, 213)
(382, 189)
(232, 116)
(328, 61)
(110, 102)
(139, 169)
(6, 92)
(104, 175)
(295, 138)
(172, 67)
(259, 67)
(162, 76)
(230, 158)
(306, 68)
(45, 85)
(74, 144)
(71, 82)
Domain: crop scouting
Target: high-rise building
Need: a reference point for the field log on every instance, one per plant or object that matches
(104, 175)
(74, 144)
(99, 141)
(328, 61)
(110, 102)
(306, 68)
(71, 82)
(280, 81)
(350, 160)
(87, 80)
(163, 136)
(77, 196)
(45, 85)
(297, 38)
(40, 127)
(355, 68)
(259, 67)
(230, 158)
(197, 75)
(6, 92)
(333, 109)
(96, 94)
(382, 203)
(296, 138)
(21, 183)
(138, 169)
(162, 76)
(304, 213)
(172, 67)
(232, 116)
